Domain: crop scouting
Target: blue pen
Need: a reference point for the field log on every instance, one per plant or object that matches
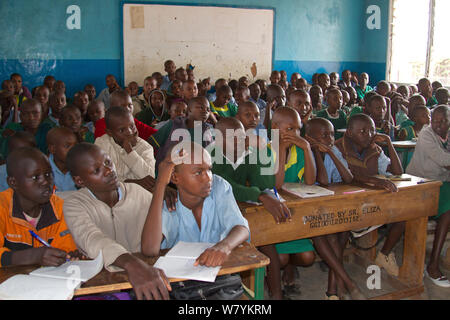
(278, 197)
(45, 243)
(276, 193)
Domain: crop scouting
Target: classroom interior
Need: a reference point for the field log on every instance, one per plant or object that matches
(81, 42)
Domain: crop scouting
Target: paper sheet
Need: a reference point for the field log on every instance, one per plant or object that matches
(82, 270)
(306, 191)
(185, 269)
(190, 250)
(26, 287)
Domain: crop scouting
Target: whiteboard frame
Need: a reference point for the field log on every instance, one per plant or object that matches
(122, 3)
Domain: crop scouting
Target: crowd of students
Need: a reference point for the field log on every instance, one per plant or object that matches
(100, 172)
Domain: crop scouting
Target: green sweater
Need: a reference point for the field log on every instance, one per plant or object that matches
(246, 180)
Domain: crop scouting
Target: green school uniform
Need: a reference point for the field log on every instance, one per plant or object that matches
(361, 93)
(245, 178)
(228, 110)
(294, 170)
(431, 102)
(88, 136)
(444, 196)
(355, 110)
(339, 123)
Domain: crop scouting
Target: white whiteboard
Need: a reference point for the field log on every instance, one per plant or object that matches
(220, 42)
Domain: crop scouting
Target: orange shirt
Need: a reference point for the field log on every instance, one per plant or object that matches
(14, 227)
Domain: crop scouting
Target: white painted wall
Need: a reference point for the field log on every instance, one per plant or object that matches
(220, 42)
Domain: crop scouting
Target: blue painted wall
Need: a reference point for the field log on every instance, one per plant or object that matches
(310, 36)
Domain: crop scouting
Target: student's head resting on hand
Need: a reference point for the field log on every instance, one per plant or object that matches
(321, 130)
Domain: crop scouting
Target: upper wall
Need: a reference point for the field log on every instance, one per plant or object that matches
(309, 36)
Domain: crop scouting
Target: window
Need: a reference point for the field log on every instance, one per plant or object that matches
(419, 45)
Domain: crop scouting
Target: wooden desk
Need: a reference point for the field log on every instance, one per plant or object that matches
(343, 212)
(243, 258)
(407, 144)
(403, 147)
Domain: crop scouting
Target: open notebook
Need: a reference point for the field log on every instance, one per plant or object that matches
(306, 191)
(179, 262)
(51, 283)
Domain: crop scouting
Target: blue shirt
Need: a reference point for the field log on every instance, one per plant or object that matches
(165, 83)
(220, 213)
(333, 174)
(3, 184)
(63, 182)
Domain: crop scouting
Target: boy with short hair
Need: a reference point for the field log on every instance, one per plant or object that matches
(141, 101)
(18, 140)
(134, 89)
(57, 102)
(107, 215)
(275, 77)
(426, 90)
(177, 109)
(197, 115)
(346, 80)
(30, 116)
(95, 112)
(42, 94)
(81, 101)
(122, 99)
(365, 160)
(90, 90)
(222, 105)
(206, 212)
(242, 94)
(71, 119)
(442, 96)
(248, 114)
(111, 86)
(60, 140)
(30, 204)
(189, 90)
(363, 86)
(49, 82)
(316, 95)
(334, 113)
(323, 81)
(300, 101)
(376, 108)
(169, 67)
(431, 160)
(20, 91)
(131, 155)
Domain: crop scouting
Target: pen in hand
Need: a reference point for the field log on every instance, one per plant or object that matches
(45, 243)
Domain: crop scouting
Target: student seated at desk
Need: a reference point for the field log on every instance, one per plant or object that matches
(30, 204)
(431, 160)
(108, 215)
(206, 210)
(331, 168)
(295, 163)
(365, 160)
(249, 183)
(131, 155)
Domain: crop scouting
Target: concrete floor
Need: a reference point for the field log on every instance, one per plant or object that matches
(313, 281)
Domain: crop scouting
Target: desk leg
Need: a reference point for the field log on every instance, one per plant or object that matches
(411, 271)
(259, 283)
